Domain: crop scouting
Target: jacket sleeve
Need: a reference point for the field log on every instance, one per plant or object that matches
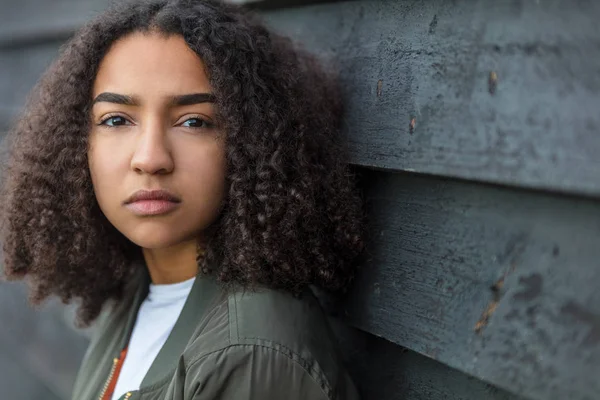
(253, 372)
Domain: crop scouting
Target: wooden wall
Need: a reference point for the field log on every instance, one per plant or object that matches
(475, 128)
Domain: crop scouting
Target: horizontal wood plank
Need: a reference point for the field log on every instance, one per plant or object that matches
(500, 284)
(383, 370)
(35, 21)
(23, 22)
(536, 124)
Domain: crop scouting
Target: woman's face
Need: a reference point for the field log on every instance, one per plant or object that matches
(156, 157)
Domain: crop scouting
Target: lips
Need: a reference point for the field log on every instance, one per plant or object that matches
(152, 202)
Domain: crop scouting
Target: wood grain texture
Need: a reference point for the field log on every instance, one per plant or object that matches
(383, 370)
(498, 283)
(536, 125)
(433, 60)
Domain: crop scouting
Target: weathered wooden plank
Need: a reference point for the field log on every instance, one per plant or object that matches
(35, 21)
(23, 22)
(20, 68)
(42, 340)
(386, 371)
(498, 283)
(432, 61)
(537, 126)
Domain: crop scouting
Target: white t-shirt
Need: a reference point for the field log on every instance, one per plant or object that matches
(155, 320)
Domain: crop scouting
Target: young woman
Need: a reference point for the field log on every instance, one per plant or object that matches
(177, 171)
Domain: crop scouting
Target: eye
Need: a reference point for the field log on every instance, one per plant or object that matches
(115, 121)
(196, 122)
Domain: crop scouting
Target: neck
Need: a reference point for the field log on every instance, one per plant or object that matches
(173, 264)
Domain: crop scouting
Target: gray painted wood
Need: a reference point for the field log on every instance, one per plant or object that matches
(23, 22)
(20, 69)
(18, 383)
(35, 21)
(7, 115)
(431, 60)
(383, 370)
(498, 283)
(43, 343)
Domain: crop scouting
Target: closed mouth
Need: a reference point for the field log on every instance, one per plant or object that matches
(150, 195)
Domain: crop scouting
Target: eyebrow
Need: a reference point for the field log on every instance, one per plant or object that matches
(191, 99)
(108, 97)
(180, 100)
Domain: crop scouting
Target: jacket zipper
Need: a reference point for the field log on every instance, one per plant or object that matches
(110, 376)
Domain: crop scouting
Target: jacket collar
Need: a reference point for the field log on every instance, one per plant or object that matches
(201, 297)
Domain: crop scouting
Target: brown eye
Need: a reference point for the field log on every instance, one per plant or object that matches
(196, 123)
(115, 121)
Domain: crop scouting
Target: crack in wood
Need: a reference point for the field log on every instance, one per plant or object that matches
(493, 82)
(412, 125)
(491, 308)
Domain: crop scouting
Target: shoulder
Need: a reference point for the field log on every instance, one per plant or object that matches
(265, 317)
(268, 315)
(277, 341)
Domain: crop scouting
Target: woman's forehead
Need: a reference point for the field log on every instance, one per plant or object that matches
(151, 64)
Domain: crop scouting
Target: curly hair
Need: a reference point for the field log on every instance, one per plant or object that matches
(291, 217)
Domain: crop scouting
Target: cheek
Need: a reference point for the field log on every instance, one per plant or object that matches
(104, 166)
(205, 176)
(94, 163)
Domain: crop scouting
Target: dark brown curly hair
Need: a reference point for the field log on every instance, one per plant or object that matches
(291, 218)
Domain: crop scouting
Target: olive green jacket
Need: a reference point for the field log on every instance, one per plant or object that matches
(246, 345)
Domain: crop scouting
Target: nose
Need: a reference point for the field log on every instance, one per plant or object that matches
(152, 153)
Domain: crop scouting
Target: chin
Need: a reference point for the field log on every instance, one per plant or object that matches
(153, 243)
(157, 238)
